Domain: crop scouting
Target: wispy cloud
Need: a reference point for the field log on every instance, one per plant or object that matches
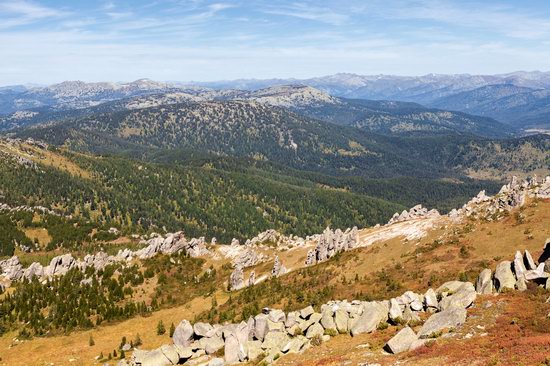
(309, 12)
(20, 12)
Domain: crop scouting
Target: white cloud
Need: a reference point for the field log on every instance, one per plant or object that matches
(20, 12)
(309, 12)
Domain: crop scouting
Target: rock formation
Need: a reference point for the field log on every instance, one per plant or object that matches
(417, 212)
(330, 243)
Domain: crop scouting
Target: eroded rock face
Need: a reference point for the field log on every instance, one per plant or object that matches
(236, 280)
(278, 269)
(332, 242)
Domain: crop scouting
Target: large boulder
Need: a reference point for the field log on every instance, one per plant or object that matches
(438, 322)
(203, 329)
(462, 298)
(484, 284)
(327, 320)
(150, 358)
(183, 334)
(402, 341)
(504, 277)
(316, 330)
(395, 312)
(430, 300)
(519, 266)
(373, 314)
(341, 319)
(528, 260)
(212, 344)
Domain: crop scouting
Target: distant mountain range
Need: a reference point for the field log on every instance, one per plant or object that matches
(519, 98)
(384, 117)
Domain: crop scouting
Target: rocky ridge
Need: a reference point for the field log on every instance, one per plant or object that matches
(273, 333)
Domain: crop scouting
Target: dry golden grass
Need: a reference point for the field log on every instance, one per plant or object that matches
(59, 350)
(47, 158)
(39, 234)
(487, 242)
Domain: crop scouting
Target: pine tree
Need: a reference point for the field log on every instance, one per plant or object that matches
(91, 341)
(172, 330)
(160, 328)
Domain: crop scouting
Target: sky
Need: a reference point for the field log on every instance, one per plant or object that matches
(49, 41)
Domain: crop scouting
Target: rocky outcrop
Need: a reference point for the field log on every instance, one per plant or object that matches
(278, 268)
(276, 239)
(236, 279)
(417, 212)
(171, 244)
(330, 243)
(510, 196)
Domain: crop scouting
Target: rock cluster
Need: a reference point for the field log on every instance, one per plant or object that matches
(12, 270)
(510, 196)
(516, 274)
(273, 237)
(171, 244)
(273, 332)
(417, 212)
(329, 243)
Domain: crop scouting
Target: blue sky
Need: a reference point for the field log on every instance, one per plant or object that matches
(47, 41)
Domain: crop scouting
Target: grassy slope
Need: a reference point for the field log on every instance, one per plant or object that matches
(412, 265)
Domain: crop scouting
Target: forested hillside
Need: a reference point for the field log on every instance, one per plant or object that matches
(260, 132)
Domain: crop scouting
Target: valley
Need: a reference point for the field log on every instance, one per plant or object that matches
(131, 212)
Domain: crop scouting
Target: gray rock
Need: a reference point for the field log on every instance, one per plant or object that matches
(528, 260)
(216, 361)
(484, 284)
(438, 322)
(410, 316)
(291, 319)
(212, 344)
(275, 341)
(313, 318)
(236, 279)
(327, 320)
(462, 298)
(341, 319)
(260, 327)
(254, 350)
(450, 286)
(430, 299)
(537, 274)
(170, 353)
(203, 329)
(278, 268)
(521, 284)
(545, 252)
(504, 277)
(183, 334)
(149, 358)
(306, 312)
(231, 350)
(276, 315)
(519, 267)
(315, 330)
(402, 341)
(374, 313)
(296, 345)
(395, 312)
